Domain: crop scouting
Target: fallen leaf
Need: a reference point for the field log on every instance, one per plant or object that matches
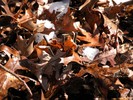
(42, 53)
(90, 52)
(108, 55)
(6, 8)
(8, 80)
(46, 71)
(45, 26)
(27, 21)
(124, 92)
(55, 43)
(68, 43)
(87, 37)
(74, 58)
(67, 23)
(9, 51)
(58, 7)
(25, 46)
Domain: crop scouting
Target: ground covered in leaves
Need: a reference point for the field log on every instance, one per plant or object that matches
(66, 50)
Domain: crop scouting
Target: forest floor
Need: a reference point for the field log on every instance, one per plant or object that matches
(66, 50)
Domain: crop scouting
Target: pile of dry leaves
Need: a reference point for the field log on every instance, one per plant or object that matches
(66, 50)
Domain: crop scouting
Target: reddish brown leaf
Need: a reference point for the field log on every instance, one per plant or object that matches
(55, 43)
(67, 24)
(42, 53)
(6, 8)
(7, 79)
(62, 40)
(124, 92)
(27, 21)
(74, 58)
(25, 46)
(68, 43)
(87, 37)
(9, 51)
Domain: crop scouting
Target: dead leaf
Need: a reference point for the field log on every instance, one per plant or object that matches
(95, 21)
(112, 28)
(45, 26)
(108, 55)
(27, 21)
(9, 51)
(119, 83)
(55, 43)
(74, 58)
(124, 92)
(58, 7)
(111, 12)
(25, 46)
(7, 79)
(46, 71)
(67, 23)
(42, 53)
(6, 8)
(42, 96)
(90, 52)
(68, 43)
(87, 37)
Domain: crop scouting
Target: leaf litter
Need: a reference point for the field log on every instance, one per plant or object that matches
(66, 50)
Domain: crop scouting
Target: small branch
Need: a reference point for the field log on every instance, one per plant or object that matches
(31, 79)
(45, 39)
(75, 36)
(15, 75)
(51, 50)
(89, 4)
(48, 46)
